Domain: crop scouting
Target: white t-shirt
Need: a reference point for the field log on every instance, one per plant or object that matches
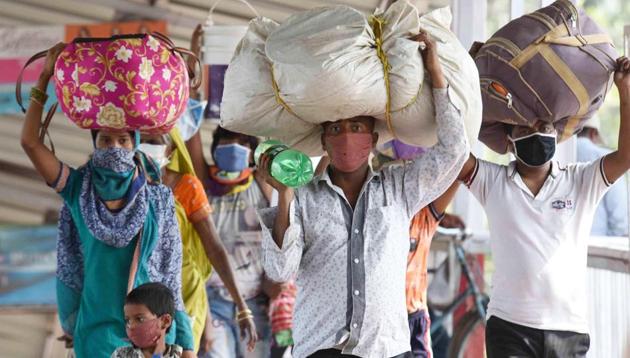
(539, 244)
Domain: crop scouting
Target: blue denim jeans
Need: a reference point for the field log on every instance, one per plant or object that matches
(227, 341)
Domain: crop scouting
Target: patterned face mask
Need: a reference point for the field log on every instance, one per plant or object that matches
(113, 170)
(145, 334)
(349, 151)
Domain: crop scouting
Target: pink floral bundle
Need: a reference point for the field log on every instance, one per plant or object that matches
(127, 82)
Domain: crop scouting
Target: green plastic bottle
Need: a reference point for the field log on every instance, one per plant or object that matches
(288, 166)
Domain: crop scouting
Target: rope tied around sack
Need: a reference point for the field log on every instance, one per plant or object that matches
(377, 23)
(276, 93)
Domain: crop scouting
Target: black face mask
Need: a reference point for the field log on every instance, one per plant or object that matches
(536, 149)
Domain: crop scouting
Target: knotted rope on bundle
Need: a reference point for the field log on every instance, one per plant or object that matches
(377, 23)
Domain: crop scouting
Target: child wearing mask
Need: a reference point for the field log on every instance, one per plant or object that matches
(149, 311)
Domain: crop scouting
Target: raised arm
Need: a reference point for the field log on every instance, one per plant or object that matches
(283, 238)
(467, 169)
(285, 197)
(618, 162)
(195, 47)
(45, 162)
(431, 174)
(195, 148)
(441, 203)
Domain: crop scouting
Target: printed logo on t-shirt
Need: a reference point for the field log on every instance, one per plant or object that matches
(562, 204)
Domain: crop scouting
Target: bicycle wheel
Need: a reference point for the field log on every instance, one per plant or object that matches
(469, 337)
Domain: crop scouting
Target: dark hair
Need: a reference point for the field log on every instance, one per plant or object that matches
(155, 296)
(587, 132)
(222, 133)
(94, 133)
(370, 120)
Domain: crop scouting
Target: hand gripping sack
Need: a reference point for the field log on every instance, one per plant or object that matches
(414, 123)
(332, 63)
(554, 65)
(126, 82)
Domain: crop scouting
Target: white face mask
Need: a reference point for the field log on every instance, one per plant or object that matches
(157, 152)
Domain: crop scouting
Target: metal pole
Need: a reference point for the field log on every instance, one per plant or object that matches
(517, 9)
(469, 20)
(626, 51)
(469, 24)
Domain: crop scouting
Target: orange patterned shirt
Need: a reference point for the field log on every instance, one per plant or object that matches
(191, 195)
(423, 226)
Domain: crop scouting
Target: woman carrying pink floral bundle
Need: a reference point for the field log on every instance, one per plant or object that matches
(116, 231)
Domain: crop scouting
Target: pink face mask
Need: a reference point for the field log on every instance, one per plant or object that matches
(349, 151)
(145, 334)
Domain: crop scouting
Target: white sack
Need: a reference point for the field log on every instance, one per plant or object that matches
(249, 103)
(326, 66)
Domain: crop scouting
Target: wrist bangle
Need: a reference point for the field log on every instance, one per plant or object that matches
(244, 313)
(39, 95)
(244, 318)
(33, 100)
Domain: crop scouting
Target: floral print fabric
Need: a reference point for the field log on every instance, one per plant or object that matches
(125, 83)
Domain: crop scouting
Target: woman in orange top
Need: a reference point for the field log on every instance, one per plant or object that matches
(423, 227)
(201, 243)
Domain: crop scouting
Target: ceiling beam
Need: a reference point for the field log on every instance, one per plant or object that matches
(10, 20)
(35, 15)
(361, 5)
(142, 10)
(236, 8)
(72, 7)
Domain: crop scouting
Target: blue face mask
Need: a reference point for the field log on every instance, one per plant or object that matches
(232, 157)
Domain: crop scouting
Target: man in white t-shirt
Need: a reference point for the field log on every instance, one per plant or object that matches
(540, 216)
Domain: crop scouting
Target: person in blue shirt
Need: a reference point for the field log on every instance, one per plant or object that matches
(611, 216)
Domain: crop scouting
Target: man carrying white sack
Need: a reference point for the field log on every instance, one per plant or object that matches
(540, 216)
(345, 235)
